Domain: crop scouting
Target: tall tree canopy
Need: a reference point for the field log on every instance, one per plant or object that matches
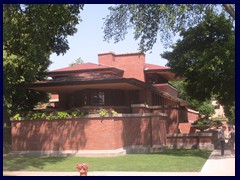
(205, 108)
(205, 56)
(214, 44)
(150, 20)
(31, 32)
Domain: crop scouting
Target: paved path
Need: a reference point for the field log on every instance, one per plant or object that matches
(216, 165)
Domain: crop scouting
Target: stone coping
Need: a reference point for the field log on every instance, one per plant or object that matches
(204, 134)
(115, 152)
(106, 117)
(152, 107)
(93, 153)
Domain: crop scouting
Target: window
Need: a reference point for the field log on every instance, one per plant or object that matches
(97, 98)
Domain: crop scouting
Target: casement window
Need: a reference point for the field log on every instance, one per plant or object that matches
(97, 98)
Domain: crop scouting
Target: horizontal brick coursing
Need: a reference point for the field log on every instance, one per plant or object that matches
(132, 64)
(87, 134)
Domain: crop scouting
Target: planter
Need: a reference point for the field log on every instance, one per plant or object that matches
(201, 127)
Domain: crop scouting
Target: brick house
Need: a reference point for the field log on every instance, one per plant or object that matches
(148, 107)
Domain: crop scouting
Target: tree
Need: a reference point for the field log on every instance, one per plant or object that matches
(206, 58)
(150, 20)
(230, 10)
(31, 32)
(205, 109)
(76, 62)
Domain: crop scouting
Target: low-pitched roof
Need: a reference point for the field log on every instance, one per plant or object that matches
(164, 71)
(85, 67)
(155, 67)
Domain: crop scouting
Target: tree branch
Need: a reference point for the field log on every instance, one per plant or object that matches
(230, 10)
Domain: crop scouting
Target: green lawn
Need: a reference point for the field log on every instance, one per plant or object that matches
(167, 161)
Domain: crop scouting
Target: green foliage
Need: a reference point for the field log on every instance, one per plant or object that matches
(200, 123)
(77, 62)
(83, 113)
(230, 113)
(31, 32)
(16, 116)
(78, 113)
(206, 58)
(103, 112)
(204, 121)
(152, 20)
(206, 109)
(113, 112)
(107, 112)
(74, 114)
(51, 116)
(62, 114)
(38, 115)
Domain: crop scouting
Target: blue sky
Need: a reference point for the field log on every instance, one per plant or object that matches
(88, 42)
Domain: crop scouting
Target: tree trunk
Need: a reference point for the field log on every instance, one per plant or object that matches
(230, 10)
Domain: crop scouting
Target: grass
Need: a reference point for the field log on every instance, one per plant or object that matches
(167, 161)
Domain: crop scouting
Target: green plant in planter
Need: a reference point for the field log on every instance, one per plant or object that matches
(200, 123)
(83, 113)
(16, 116)
(62, 114)
(74, 114)
(103, 112)
(37, 115)
(29, 115)
(43, 115)
(51, 116)
(114, 112)
(216, 123)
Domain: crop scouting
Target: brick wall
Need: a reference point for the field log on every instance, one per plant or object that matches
(172, 121)
(87, 133)
(184, 128)
(133, 64)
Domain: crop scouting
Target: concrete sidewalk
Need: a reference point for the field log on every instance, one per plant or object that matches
(216, 165)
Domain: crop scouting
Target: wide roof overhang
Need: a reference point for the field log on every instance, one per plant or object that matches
(68, 87)
(73, 86)
(165, 73)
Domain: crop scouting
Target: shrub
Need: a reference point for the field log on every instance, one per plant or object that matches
(16, 116)
(62, 114)
(103, 112)
(51, 116)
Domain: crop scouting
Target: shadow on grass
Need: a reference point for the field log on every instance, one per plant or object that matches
(19, 163)
(184, 152)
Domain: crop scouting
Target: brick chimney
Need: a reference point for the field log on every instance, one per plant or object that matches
(133, 64)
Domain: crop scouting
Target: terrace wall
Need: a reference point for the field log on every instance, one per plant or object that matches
(106, 133)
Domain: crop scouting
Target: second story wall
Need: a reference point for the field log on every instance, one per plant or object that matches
(133, 64)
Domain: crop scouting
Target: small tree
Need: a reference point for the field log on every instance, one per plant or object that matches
(77, 61)
(206, 109)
